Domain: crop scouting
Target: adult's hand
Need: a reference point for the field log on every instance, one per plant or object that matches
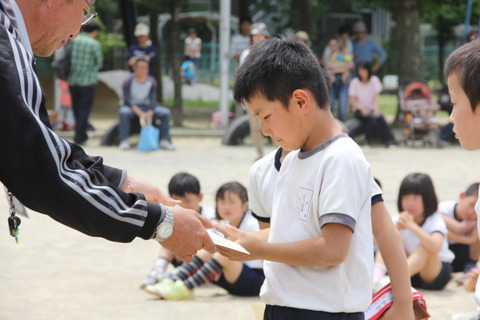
(152, 193)
(189, 234)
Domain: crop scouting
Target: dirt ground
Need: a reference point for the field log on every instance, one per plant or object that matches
(58, 273)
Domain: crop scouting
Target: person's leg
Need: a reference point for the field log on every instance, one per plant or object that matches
(425, 263)
(124, 124)
(369, 128)
(164, 114)
(343, 102)
(385, 131)
(82, 100)
(256, 133)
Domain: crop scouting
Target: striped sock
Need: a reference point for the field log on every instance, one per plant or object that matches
(186, 269)
(205, 274)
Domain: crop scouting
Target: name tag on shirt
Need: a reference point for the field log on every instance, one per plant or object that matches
(304, 200)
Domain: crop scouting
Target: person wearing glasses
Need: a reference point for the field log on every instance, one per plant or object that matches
(86, 61)
(56, 177)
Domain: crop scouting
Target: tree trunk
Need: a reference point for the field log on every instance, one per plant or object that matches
(175, 63)
(300, 19)
(154, 11)
(406, 13)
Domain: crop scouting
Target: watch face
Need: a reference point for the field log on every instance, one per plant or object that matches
(165, 230)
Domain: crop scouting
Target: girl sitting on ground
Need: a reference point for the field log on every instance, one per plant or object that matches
(424, 234)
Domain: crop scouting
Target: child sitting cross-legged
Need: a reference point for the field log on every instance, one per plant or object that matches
(242, 279)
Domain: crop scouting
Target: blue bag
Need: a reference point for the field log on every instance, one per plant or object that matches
(149, 136)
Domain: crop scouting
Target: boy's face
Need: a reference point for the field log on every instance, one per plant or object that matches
(466, 207)
(189, 200)
(466, 123)
(279, 123)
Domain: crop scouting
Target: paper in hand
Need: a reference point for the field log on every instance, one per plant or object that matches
(219, 240)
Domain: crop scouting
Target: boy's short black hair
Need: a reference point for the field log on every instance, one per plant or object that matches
(182, 183)
(465, 63)
(276, 67)
(419, 184)
(472, 189)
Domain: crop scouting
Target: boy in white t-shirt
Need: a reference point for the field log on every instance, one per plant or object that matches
(320, 240)
(262, 179)
(461, 221)
(462, 70)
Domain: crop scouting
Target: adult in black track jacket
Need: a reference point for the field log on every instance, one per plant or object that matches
(53, 176)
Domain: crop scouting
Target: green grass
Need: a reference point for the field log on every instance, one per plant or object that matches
(388, 104)
(197, 104)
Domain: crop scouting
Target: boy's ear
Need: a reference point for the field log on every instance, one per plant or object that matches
(200, 197)
(462, 195)
(302, 99)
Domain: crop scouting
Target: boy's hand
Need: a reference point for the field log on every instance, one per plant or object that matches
(249, 242)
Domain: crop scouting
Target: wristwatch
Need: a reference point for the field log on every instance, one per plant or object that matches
(165, 228)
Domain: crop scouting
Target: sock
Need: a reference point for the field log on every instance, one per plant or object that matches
(161, 264)
(205, 274)
(186, 269)
(379, 271)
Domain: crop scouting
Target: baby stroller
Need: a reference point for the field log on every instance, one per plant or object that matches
(418, 113)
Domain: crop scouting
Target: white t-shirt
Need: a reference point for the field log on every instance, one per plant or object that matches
(140, 92)
(248, 224)
(335, 186)
(239, 43)
(261, 187)
(208, 212)
(365, 92)
(192, 45)
(434, 223)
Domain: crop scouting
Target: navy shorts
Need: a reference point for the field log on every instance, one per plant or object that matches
(287, 313)
(440, 281)
(248, 283)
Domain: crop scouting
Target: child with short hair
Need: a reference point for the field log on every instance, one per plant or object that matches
(185, 187)
(461, 220)
(262, 179)
(320, 245)
(242, 279)
(462, 70)
(424, 233)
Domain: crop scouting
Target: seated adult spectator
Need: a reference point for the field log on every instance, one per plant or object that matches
(140, 100)
(364, 92)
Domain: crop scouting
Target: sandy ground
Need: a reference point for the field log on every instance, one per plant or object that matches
(58, 273)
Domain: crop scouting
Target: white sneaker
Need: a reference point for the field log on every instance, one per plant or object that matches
(124, 144)
(167, 145)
